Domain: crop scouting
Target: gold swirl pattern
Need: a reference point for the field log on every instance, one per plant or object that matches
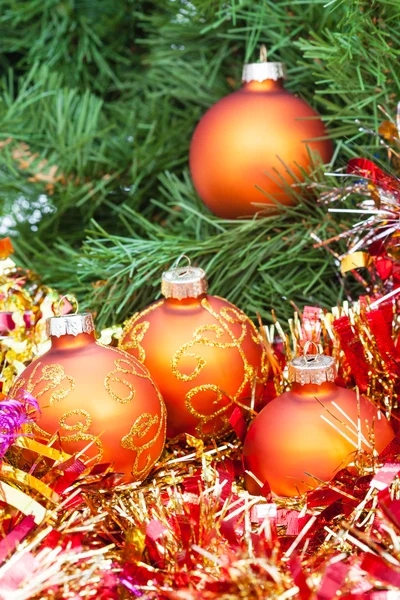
(229, 328)
(182, 352)
(133, 334)
(231, 314)
(80, 427)
(123, 366)
(142, 425)
(132, 366)
(201, 339)
(219, 419)
(136, 337)
(140, 429)
(52, 376)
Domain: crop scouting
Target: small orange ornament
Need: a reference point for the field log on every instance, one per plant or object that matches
(254, 139)
(202, 351)
(87, 390)
(306, 435)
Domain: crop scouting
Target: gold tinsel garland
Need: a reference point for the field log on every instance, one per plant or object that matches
(190, 530)
(25, 303)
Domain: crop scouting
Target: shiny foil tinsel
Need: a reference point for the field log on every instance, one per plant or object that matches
(190, 530)
(25, 303)
(372, 254)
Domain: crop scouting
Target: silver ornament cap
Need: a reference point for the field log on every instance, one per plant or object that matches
(312, 368)
(183, 282)
(70, 325)
(264, 69)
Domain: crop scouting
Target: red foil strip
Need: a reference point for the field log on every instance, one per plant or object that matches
(299, 577)
(154, 532)
(382, 595)
(384, 267)
(392, 450)
(311, 324)
(238, 423)
(377, 322)
(380, 570)
(369, 170)
(333, 580)
(9, 543)
(353, 351)
(385, 476)
(291, 519)
(390, 508)
(7, 323)
(16, 574)
(68, 472)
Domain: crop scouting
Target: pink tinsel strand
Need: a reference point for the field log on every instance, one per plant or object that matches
(13, 415)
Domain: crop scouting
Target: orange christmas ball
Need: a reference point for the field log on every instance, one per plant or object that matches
(308, 434)
(251, 142)
(202, 351)
(87, 390)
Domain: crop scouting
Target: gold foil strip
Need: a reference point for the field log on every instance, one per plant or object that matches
(23, 502)
(31, 444)
(14, 474)
(355, 260)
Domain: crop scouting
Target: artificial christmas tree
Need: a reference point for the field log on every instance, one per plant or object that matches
(109, 95)
(98, 103)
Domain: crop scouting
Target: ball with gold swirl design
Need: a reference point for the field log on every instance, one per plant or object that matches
(101, 400)
(202, 351)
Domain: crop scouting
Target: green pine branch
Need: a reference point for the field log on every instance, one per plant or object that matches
(106, 95)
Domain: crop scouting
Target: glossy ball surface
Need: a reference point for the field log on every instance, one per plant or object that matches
(203, 353)
(289, 438)
(247, 142)
(87, 390)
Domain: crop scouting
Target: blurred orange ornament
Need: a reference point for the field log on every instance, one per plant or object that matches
(202, 351)
(86, 390)
(255, 139)
(308, 434)
(6, 248)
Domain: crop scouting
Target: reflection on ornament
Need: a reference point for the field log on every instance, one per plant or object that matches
(101, 400)
(252, 143)
(202, 351)
(305, 436)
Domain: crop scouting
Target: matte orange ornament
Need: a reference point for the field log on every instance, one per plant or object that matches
(248, 142)
(87, 390)
(306, 435)
(202, 351)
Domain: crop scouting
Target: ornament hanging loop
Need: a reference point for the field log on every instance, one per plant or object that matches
(311, 357)
(178, 260)
(73, 301)
(312, 368)
(263, 53)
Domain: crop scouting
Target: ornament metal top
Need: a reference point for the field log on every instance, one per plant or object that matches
(183, 282)
(69, 324)
(312, 368)
(264, 69)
